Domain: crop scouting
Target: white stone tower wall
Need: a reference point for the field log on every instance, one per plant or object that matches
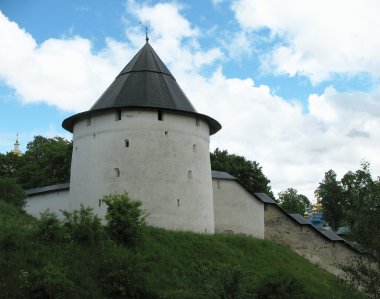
(164, 163)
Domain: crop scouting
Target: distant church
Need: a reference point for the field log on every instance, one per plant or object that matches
(144, 137)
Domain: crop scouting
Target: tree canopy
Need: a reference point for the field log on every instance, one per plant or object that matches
(355, 202)
(249, 173)
(292, 202)
(11, 192)
(330, 193)
(47, 161)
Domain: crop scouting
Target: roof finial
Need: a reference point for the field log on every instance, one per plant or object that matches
(145, 27)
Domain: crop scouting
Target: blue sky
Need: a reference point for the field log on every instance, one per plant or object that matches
(295, 85)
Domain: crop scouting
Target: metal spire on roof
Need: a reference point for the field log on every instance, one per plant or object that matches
(146, 28)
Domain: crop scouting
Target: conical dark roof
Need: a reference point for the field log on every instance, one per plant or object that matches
(144, 83)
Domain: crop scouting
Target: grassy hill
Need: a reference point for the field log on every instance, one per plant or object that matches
(164, 264)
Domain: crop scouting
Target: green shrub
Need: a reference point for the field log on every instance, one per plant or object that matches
(48, 282)
(125, 218)
(122, 275)
(83, 226)
(49, 228)
(281, 286)
(12, 193)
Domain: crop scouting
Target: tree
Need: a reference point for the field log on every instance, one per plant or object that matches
(362, 195)
(9, 164)
(330, 193)
(124, 217)
(12, 193)
(47, 161)
(249, 173)
(292, 202)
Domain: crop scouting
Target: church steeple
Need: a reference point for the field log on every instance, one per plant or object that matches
(16, 150)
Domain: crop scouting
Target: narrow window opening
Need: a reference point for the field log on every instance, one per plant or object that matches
(88, 121)
(117, 172)
(126, 142)
(94, 135)
(194, 148)
(100, 202)
(190, 174)
(76, 148)
(197, 122)
(166, 133)
(118, 115)
(178, 202)
(159, 115)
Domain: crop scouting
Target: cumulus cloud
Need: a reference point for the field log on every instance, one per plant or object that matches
(318, 37)
(295, 148)
(60, 72)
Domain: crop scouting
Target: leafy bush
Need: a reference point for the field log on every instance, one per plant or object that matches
(12, 193)
(83, 226)
(125, 218)
(122, 275)
(281, 286)
(48, 282)
(49, 228)
(364, 274)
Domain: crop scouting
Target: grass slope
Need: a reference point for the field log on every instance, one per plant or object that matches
(163, 265)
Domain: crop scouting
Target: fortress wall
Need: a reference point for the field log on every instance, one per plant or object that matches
(236, 210)
(53, 201)
(306, 241)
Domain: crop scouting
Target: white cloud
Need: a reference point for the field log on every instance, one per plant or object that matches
(318, 37)
(294, 148)
(174, 38)
(60, 72)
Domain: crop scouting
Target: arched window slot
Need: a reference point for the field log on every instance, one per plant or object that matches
(166, 133)
(218, 184)
(178, 204)
(118, 115)
(100, 202)
(117, 172)
(190, 174)
(88, 121)
(126, 142)
(197, 122)
(194, 148)
(160, 115)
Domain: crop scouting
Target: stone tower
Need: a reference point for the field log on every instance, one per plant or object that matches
(144, 137)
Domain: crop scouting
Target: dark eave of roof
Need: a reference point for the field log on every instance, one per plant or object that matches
(47, 189)
(145, 83)
(221, 175)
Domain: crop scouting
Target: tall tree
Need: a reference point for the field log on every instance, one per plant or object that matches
(330, 193)
(292, 202)
(12, 193)
(249, 173)
(362, 195)
(9, 164)
(46, 161)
